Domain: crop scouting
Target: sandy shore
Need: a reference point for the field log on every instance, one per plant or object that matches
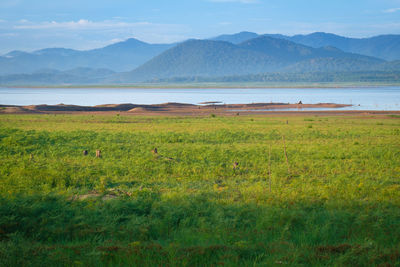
(180, 109)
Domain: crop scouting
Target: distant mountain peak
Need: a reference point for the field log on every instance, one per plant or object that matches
(263, 38)
(133, 41)
(55, 51)
(236, 38)
(322, 34)
(121, 56)
(278, 48)
(129, 43)
(246, 33)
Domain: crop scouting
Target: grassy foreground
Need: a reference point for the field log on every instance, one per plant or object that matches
(335, 201)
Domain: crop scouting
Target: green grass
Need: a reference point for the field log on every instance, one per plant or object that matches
(338, 203)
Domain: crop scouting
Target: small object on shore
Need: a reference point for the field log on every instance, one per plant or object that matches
(300, 103)
(98, 153)
(235, 165)
(155, 151)
(85, 152)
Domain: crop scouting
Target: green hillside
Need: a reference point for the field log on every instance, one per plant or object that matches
(263, 54)
(203, 58)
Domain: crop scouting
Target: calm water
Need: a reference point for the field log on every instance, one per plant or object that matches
(386, 98)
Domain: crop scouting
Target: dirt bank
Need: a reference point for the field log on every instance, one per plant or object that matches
(180, 109)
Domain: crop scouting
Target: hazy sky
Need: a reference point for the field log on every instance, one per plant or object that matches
(84, 24)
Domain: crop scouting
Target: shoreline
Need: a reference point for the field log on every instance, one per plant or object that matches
(182, 109)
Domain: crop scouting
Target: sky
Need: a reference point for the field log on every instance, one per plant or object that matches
(29, 25)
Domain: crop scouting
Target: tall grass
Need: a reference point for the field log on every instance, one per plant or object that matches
(190, 207)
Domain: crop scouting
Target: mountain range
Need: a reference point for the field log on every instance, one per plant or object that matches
(122, 56)
(258, 55)
(238, 54)
(386, 47)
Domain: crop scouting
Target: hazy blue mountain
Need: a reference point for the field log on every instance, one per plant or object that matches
(236, 38)
(332, 64)
(51, 76)
(88, 72)
(298, 77)
(128, 55)
(320, 39)
(391, 66)
(258, 55)
(129, 44)
(280, 49)
(238, 55)
(284, 50)
(53, 52)
(384, 46)
(121, 56)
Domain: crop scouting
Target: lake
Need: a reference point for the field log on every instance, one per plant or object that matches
(380, 98)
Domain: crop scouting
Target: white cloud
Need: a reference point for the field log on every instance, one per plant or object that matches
(83, 24)
(87, 34)
(391, 10)
(80, 24)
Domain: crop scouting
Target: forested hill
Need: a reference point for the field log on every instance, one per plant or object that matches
(258, 55)
(383, 46)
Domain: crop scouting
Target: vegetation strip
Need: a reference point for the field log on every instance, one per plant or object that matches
(60, 207)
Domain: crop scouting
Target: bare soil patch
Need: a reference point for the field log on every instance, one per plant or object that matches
(182, 109)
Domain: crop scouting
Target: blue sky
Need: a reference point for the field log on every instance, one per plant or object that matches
(85, 24)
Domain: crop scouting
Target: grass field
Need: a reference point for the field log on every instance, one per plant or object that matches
(334, 201)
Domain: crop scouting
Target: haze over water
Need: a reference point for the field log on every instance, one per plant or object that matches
(385, 98)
